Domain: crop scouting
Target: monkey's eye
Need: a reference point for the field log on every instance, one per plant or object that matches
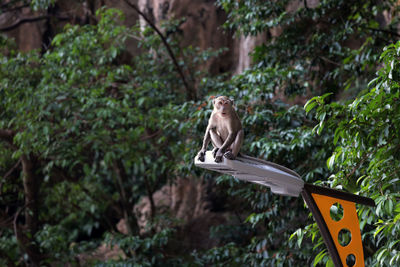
(220, 102)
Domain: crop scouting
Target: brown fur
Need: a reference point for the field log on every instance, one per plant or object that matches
(224, 130)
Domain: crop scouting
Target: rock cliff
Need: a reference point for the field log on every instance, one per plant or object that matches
(202, 26)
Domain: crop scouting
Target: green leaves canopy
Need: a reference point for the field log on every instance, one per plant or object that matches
(102, 133)
(366, 156)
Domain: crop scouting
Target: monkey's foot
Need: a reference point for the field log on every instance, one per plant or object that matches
(218, 159)
(229, 155)
(201, 156)
(214, 152)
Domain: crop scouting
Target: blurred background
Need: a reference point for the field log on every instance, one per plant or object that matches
(104, 104)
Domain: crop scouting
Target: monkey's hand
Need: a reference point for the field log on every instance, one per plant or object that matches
(214, 152)
(201, 155)
(218, 156)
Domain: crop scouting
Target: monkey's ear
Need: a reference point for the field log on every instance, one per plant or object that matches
(214, 99)
(232, 101)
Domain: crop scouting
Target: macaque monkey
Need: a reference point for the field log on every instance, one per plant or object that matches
(224, 129)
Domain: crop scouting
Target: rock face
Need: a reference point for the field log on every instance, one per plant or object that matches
(28, 35)
(202, 26)
(187, 204)
(243, 46)
(186, 201)
(102, 253)
(203, 20)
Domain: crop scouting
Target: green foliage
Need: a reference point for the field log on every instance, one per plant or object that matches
(101, 134)
(41, 4)
(228, 255)
(148, 251)
(311, 54)
(310, 44)
(365, 158)
(102, 131)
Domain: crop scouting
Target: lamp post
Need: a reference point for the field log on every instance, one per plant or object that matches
(319, 200)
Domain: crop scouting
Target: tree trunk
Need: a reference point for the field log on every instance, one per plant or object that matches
(127, 209)
(31, 187)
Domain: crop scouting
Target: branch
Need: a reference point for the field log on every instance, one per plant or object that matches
(150, 136)
(3, 8)
(7, 135)
(150, 192)
(130, 219)
(31, 188)
(6, 222)
(11, 170)
(9, 3)
(29, 19)
(382, 30)
(305, 5)
(25, 242)
(366, 156)
(191, 94)
(20, 236)
(329, 61)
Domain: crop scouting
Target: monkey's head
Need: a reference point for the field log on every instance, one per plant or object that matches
(223, 105)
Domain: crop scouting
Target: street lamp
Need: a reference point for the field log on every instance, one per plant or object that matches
(286, 182)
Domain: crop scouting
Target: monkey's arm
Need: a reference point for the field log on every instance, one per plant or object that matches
(206, 141)
(215, 140)
(229, 140)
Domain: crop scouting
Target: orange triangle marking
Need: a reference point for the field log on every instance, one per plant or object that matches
(349, 222)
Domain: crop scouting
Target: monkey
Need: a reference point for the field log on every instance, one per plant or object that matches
(225, 131)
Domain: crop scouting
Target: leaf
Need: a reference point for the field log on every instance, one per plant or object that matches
(337, 135)
(329, 263)
(320, 127)
(326, 95)
(114, 52)
(381, 255)
(310, 105)
(319, 257)
(331, 161)
(57, 40)
(379, 229)
(396, 218)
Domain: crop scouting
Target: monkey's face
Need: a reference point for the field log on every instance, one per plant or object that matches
(223, 105)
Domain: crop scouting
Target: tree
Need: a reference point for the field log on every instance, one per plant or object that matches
(365, 159)
(329, 49)
(85, 133)
(70, 119)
